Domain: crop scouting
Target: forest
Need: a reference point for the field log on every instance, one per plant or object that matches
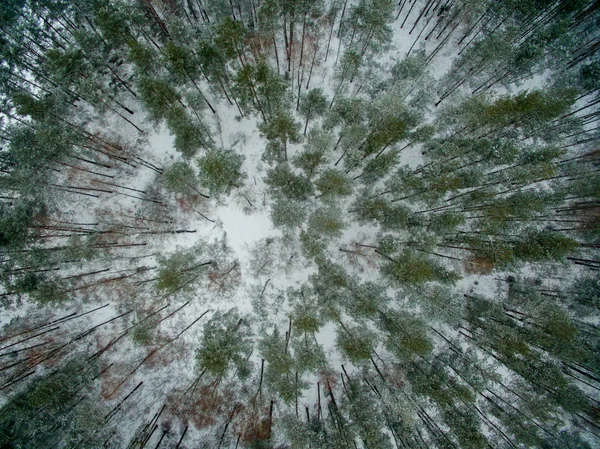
(294, 224)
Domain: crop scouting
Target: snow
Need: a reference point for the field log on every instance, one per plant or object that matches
(242, 219)
(243, 230)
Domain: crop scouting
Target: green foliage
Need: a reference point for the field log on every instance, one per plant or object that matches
(365, 300)
(309, 354)
(318, 143)
(142, 334)
(367, 416)
(181, 59)
(50, 291)
(333, 183)
(389, 122)
(533, 246)
(180, 178)
(142, 57)
(412, 269)
(587, 292)
(373, 16)
(350, 64)
(179, 272)
(157, 96)
(282, 179)
(327, 222)
(406, 335)
(282, 127)
(502, 167)
(220, 171)
(380, 166)
(280, 366)
(226, 343)
(273, 92)
(305, 316)
(544, 245)
(189, 136)
(16, 222)
(346, 112)
(525, 110)
(27, 163)
(356, 342)
(308, 161)
(287, 214)
(229, 36)
(312, 245)
(313, 104)
(56, 410)
(465, 424)
(445, 222)
(211, 60)
(439, 303)
(330, 284)
(26, 105)
(378, 210)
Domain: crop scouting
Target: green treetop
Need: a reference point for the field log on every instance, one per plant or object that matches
(220, 171)
(226, 343)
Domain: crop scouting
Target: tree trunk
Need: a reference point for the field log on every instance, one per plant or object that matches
(275, 48)
(306, 124)
(408, 13)
(181, 439)
(312, 64)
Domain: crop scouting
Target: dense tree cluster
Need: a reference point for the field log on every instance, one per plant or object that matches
(429, 169)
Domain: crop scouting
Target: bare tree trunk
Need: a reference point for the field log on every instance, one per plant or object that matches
(181, 439)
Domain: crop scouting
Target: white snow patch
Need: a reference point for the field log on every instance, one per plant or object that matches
(243, 230)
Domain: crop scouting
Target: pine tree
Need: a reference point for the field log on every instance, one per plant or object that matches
(282, 128)
(180, 271)
(406, 335)
(313, 105)
(487, 171)
(356, 342)
(282, 179)
(287, 214)
(333, 183)
(326, 222)
(56, 409)
(180, 178)
(366, 416)
(220, 171)
(225, 344)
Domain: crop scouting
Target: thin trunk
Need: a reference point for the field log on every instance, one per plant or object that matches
(408, 13)
(306, 124)
(120, 404)
(312, 64)
(285, 37)
(270, 419)
(418, 19)
(229, 419)
(232, 11)
(329, 40)
(152, 353)
(201, 94)
(181, 439)
(275, 48)
(290, 49)
(301, 63)
(29, 338)
(419, 36)
(296, 394)
(319, 410)
(259, 391)
(401, 4)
